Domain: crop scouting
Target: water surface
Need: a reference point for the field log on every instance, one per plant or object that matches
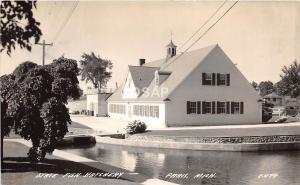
(231, 168)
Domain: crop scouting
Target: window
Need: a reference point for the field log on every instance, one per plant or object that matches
(235, 107)
(151, 111)
(222, 79)
(193, 107)
(215, 79)
(156, 111)
(134, 110)
(142, 110)
(147, 111)
(208, 79)
(173, 51)
(221, 107)
(117, 108)
(123, 109)
(207, 107)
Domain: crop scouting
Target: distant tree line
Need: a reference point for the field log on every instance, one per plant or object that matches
(289, 84)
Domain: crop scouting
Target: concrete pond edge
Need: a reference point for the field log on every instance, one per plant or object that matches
(238, 147)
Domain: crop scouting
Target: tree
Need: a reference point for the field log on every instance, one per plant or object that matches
(6, 90)
(265, 87)
(254, 85)
(34, 102)
(289, 85)
(95, 70)
(18, 26)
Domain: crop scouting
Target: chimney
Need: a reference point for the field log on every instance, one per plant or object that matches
(142, 61)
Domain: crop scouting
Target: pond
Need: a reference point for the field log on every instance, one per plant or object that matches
(232, 168)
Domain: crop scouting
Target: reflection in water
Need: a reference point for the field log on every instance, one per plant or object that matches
(231, 168)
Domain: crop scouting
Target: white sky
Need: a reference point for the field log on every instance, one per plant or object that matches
(260, 37)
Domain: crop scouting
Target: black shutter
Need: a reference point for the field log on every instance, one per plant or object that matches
(213, 79)
(203, 107)
(232, 107)
(213, 107)
(241, 107)
(218, 107)
(203, 79)
(218, 78)
(228, 107)
(228, 79)
(198, 107)
(188, 105)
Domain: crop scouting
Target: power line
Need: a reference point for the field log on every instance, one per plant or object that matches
(66, 20)
(212, 15)
(201, 36)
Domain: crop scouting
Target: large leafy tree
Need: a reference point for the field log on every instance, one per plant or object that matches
(18, 26)
(290, 81)
(265, 87)
(33, 99)
(95, 70)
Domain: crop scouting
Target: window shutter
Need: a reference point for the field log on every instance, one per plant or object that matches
(213, 107)
(203, 79)
(203, 107)
(213, 79)
(228, 107)
(198, 107)
(218, 78)
(188, 105)
(241, 107)
(218, 107)
(228, 79)
(232, 107)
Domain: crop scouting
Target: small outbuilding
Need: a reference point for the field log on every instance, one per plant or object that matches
(96, 102)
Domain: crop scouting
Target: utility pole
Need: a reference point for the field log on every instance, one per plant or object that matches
(44, 45)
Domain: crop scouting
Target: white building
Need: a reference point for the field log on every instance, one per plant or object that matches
(96, 103)
(201, 87)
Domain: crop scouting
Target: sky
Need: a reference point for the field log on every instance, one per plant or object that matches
(260, 37)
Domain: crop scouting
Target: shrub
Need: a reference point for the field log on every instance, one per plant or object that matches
(136, 126)
(267, 111)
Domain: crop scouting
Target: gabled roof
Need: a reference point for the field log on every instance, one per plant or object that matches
(272, 95)
(179, 66)
(142, 75)
(155, 63)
